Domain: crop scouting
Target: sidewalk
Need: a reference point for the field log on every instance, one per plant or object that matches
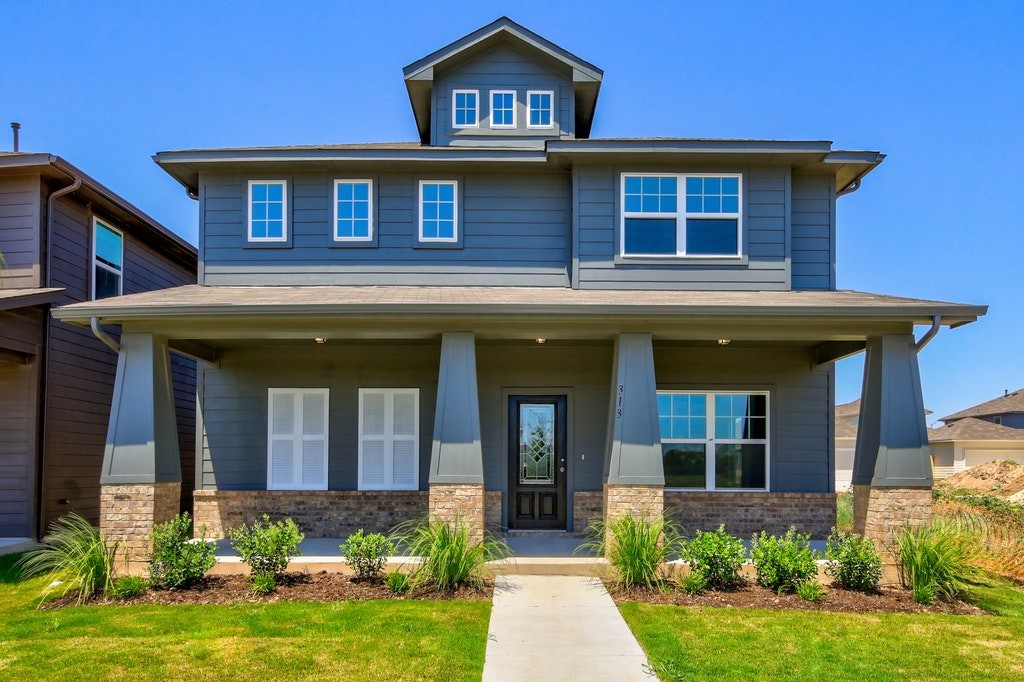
(559, 627)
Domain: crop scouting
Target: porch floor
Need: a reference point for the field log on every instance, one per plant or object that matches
(12, 545)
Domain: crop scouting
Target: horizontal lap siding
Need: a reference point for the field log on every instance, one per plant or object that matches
(20, 210)
(515, 230)
(813, 233)
(18, 424)
(597, 227)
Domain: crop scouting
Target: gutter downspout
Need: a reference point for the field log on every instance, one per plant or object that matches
(107, 339)
(49, 223)
(849, 189)
(930, 334)
(191, 194)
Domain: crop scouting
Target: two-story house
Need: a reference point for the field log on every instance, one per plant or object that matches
(518, 325)
(65, 237)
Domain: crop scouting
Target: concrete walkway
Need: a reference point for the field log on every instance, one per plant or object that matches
(561, 628)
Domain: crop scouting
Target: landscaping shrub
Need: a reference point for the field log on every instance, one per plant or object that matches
(639, 547)
(450, 559)
(716, 555)
(783, 563)
(127, 586)
(177, 560)
(263, 583)
(810, 590)
(853, 561)
(693, 583)
(366, 554)
(398, 582)
(76, 555)
(267, 547)
(935, 560)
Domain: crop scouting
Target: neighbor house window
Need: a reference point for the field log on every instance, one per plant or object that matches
(268, 208)
(389, 441)
(353, 210)
(714, 441)
(297, 439)
(107, 260)
(503, 109)
(438, 211)
(681, 215)
(540, 109)
(466, 109)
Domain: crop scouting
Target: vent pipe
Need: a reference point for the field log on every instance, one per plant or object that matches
(16, 127)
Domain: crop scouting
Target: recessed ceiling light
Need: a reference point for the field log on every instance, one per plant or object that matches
(541, 340)
(320, 339)
(724, 342)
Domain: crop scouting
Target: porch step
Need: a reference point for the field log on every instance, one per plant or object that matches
(540, 534)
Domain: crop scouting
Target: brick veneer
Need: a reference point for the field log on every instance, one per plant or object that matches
(319, 514)
(630, 500)
(586, 507)
(750, 512)
(492, 510)
(129, 512)
(459, 503)
(879, 512)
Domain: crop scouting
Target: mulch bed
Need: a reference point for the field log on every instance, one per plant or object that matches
(314, 587)
(753, 596)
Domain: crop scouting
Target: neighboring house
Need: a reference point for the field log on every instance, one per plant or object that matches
(847, 416)
(968, 442)
(1006, 410)
(514, 324)
(67, 238)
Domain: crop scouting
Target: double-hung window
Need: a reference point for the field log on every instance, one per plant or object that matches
(297, 439)
(107, 260)
(268, 211)
(389, 438)
(503, 108)
(681, 215)
(714, 441)
(353, 210)
(465, 108)
(540, 109)
(439, 211)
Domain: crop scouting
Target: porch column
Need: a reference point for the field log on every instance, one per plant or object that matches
(456, 459)
(141, 477)
(892, 473)
(634, 475)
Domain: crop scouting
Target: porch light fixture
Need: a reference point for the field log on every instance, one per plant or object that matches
(320, 339)
(541, 340)
(724, 342)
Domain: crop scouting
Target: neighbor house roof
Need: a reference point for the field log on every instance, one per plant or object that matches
(970, 428)
(1004, 404)
(23, 298)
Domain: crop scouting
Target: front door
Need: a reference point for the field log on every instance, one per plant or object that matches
(536, 446)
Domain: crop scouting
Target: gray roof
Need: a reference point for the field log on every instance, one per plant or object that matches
(1004, 404)
(23, 298)
(970, 428)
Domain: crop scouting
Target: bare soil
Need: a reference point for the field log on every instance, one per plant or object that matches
(1003, 479)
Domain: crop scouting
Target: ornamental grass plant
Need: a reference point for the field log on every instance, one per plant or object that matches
(77, 557)
(636, 546)
(449, 557)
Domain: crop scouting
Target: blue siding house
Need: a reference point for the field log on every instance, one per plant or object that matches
(517, 325)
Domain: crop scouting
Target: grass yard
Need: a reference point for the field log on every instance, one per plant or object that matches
(373, 640)
(743, 644)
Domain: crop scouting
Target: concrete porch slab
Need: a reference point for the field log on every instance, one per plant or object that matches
(15, 545)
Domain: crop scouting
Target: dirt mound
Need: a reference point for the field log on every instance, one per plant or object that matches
(1002, 479)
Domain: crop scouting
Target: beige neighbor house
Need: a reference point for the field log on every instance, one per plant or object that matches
(990, 431)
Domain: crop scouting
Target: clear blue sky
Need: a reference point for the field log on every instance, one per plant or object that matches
(936, 86)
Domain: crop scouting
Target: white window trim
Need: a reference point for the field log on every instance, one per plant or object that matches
(334, 223)
(529, 109)
(95, 261)
(710, 441)
(455, 212)
(680, 215)
(284, 210)
(476, 99)
(503, 126)
(389, 425)
(299, 436)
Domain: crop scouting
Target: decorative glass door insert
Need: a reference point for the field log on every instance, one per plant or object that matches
(537, 444)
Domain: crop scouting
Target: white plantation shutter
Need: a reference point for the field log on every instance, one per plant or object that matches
(389, 439)
(297, 439)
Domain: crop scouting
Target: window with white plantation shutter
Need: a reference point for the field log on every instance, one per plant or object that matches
(297, 439)
(389, 438)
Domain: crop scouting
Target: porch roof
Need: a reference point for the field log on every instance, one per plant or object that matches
(23, 298)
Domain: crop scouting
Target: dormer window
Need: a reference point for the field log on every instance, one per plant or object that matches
(466, 109)
(541, 109)
(503, 109)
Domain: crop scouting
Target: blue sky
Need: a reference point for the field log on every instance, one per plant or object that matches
(939, 87)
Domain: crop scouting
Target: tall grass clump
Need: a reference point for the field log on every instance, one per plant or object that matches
(844, 512)
(636, 547)
(75, 555)
(449, 557)
(935, 560)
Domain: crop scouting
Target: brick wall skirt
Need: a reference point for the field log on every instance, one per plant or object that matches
(459, 503)
(319, 514)
(880, 512)
(586, 507)
(492, 510)
(747, 513)
(129, 512)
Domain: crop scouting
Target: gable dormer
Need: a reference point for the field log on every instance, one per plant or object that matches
(502, 86)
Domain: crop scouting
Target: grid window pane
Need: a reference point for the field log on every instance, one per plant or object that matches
(353, 204)
(650, 194)
(741, 417)
(540, 109)
(650, 236)
(682, 415)
(437, 211)
(503, 109)
(740, 466)
(465, 108)
(684, 464)
(712, 195)
(266, 210)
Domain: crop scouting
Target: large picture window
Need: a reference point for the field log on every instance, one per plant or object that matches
(389, 438)
(714, 441)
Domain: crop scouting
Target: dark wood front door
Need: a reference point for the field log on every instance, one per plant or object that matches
(537, 466)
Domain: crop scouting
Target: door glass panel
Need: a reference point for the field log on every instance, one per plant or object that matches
(537, 444)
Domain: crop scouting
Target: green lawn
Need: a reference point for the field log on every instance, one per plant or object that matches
(743, 644)
(392, 640)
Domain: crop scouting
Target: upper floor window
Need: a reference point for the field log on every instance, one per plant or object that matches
(540, 109)
(466, 108)
(681, 215)
(438, 212)
(268, 206)
(503, 109)
(353, 210)
(107, 260)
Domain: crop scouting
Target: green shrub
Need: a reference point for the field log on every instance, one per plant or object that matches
(810, 590)
(76, 555)
(853, 561)
(366, 554)
(844, 512)
(639, 547)
(693, 583)
(263, 583)
(449, 558)
(177, 559)
(127, 586)
(399, 583)
(935, 560)
(717, 555)
(783, 563)
(267, 547)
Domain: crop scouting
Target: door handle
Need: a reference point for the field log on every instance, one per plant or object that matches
(561, 470)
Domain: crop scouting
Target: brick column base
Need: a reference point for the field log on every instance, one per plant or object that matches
(128, 514)
(879, 513)
(459, 504)
(631, 500)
